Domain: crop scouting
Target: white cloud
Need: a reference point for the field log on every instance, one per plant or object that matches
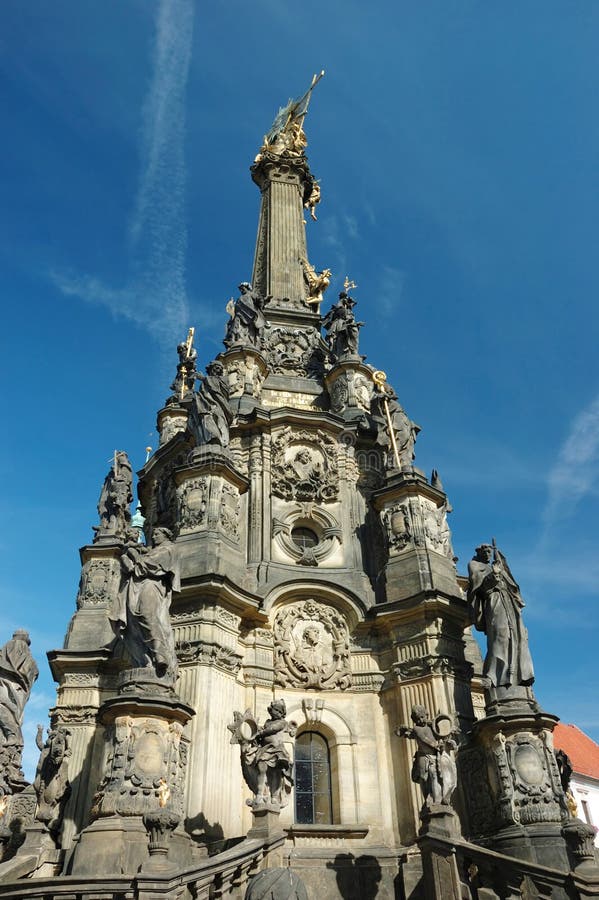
(155, 296)
(575, 474)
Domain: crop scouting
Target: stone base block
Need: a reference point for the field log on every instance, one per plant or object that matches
(116, 845)
(441, 820)
(266, 823)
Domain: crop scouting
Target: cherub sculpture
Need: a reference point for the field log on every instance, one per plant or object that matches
(317, 282)
(265, 762)
(433, 767)
(313, 200)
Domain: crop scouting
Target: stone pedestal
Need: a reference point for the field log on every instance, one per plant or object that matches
(439, 819)
(208, 494)
(89, 628)
(246, 370)
(350, 387)
(266, 822)
(143, 780)
(171, 420)
(511, 787)
(413, 516)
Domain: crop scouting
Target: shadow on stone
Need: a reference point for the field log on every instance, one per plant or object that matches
(206, 834)
(358, 877)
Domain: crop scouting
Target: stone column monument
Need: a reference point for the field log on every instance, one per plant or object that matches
(141, 792)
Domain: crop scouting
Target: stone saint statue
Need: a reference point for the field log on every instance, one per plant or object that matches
(187, 375)
(211, 416)
(115, 498)
(386, 407)
(140, 612)
(342, 329)
(265, 763)
(496, 608)
(51, 785)
(247, 323)
(18, 673)
(433, 767)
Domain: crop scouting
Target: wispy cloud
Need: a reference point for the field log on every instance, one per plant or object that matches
(390, 290)
(155, 295)
(575, 474)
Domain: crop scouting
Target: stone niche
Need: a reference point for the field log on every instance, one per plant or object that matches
(311, 646)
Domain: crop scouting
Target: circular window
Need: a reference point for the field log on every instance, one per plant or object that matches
(304, 538)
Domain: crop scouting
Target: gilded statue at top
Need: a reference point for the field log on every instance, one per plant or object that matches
(286, 136)
(317, 282)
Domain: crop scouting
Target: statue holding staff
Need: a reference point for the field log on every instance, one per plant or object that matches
(496, 609)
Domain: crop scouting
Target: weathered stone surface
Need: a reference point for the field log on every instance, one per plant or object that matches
(276, 884)
(18, 673)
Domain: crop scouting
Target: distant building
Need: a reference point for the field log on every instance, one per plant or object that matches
(584, 756)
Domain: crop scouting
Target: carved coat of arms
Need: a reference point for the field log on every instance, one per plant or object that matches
(311, 647)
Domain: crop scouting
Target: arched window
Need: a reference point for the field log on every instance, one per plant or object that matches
(313, 804)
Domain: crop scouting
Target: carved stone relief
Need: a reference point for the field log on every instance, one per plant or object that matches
(147, 754)
(99, 580)
(417, 522)
(351, 389)
(209, 503)
(311, 647)
(304, 466)
(229, 510)
(193, 499)
(293, 351)
(170, 424)
(204, 653)
(244, 374)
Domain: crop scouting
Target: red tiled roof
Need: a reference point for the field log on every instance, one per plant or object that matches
(582, 750)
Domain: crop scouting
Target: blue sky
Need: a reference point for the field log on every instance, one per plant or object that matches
(458, 148)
